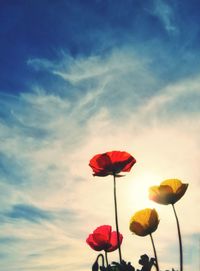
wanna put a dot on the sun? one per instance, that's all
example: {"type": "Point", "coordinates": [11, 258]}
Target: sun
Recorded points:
{"type": "Point", "coordinates": [136, 194]}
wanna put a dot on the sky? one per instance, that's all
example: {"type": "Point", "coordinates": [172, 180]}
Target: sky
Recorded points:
{"type": "Point", "coordinates": [78, 78]}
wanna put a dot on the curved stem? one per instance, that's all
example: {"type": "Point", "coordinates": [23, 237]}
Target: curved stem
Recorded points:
{"type": "Point", "coordinates": [102, 258]}
{"type": "Point", "coordinates": [116, 219]}
{"type": "Point", "coordinates": [106, 257]}
{"type": "Point", "coordinates": [154, 250]}
{"type": "Point", "coordinates": [179, 237]}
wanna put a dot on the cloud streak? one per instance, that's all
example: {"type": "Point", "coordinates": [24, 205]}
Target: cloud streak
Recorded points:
{"type": "Point", "coordinates": [165, 13]}
{"type": "Point", "coordinates": [27, 212]}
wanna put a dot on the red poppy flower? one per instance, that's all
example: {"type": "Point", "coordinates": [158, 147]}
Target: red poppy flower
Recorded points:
{"type": "Point", "coordinates": [103, 238]}
{"type": "Point", "coordinates": [111, 163]}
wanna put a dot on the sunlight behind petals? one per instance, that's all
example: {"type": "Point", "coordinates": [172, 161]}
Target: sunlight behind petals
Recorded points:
{"type": "Point", "coordinates": [138, 190]}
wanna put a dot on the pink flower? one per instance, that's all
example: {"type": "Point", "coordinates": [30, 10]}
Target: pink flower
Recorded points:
{"type": "Point", "coordinates": [111, 163]}
{"type": "Point", "coordinates": [103, 238]}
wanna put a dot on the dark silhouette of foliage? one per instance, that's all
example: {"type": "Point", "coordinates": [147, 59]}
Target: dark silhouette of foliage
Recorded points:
{"type": "Point", "coordinates": [146, 263]}
{"type": "Point", "coordinates": [123, 266]}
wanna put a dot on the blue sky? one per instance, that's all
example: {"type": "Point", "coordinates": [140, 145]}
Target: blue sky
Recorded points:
{"type": "Point", "coordinates": [84, 77]}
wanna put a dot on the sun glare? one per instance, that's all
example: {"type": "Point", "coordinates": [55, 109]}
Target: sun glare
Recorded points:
{"type": "Point", "coordinates": [138, 191]}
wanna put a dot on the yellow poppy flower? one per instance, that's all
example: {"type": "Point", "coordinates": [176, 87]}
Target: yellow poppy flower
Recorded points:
{"type": "Point", "coordinates": [144, 222]}
{"type": "Point", "coordinates": [168, 192]}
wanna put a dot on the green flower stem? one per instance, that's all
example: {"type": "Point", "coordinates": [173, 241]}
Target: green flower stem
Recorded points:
{"type": "Point", "coordinates": [179, 237]}
{"type": "Point", "coordinates": [116, 219]}
{"type": "Point", "coordinates": [154, 250]}
{"type": "Point", "coordinates": [106, 257]}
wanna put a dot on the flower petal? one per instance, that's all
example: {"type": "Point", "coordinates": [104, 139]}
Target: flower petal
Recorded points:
{"type": "Point", "coordinates": [121, 160]}
{"type": "Point", "coordinates": [104, 161]}
{"type": "Point", "coordinates": [161, 194]}
{"type": "Point", "coordinates": [90, 241]}
{"type": "Point", "coordinates": [153, 220]}
{"type": "Point", "coordinates": [98, 162]}
{"type": "Point", "coordinates": [137, 228]}
{"type": "Point", "coordinates": [175, 184]}
{"type": "Point", "coordinates": [102, 234]}
{"type": "Point", "coordinates": [101, 165]}
{"type": "Point", "coordinates": [181, 191]}
{"type": "Point", "coordinates": [114, 241]}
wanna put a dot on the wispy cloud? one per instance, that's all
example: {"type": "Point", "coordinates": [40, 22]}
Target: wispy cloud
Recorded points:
{"type": "Point", "coordinates": [163, 10]}
{"type": "Point", "coordinates": [107, 102]}
{"type": "Point", "coordinates": [28, 212]}
{"type": "Point", "coordinates": [106, 75]}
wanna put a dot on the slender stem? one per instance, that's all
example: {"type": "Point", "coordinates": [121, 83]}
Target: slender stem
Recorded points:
{"type": "Point", "coordinates": [154, 250]}
{"type": "Point", "coordinates": [106, 257]}
{"type": "Point", "coordinates": [116, 220]}
{"type": "Point", "coordinates": [179, 237]}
